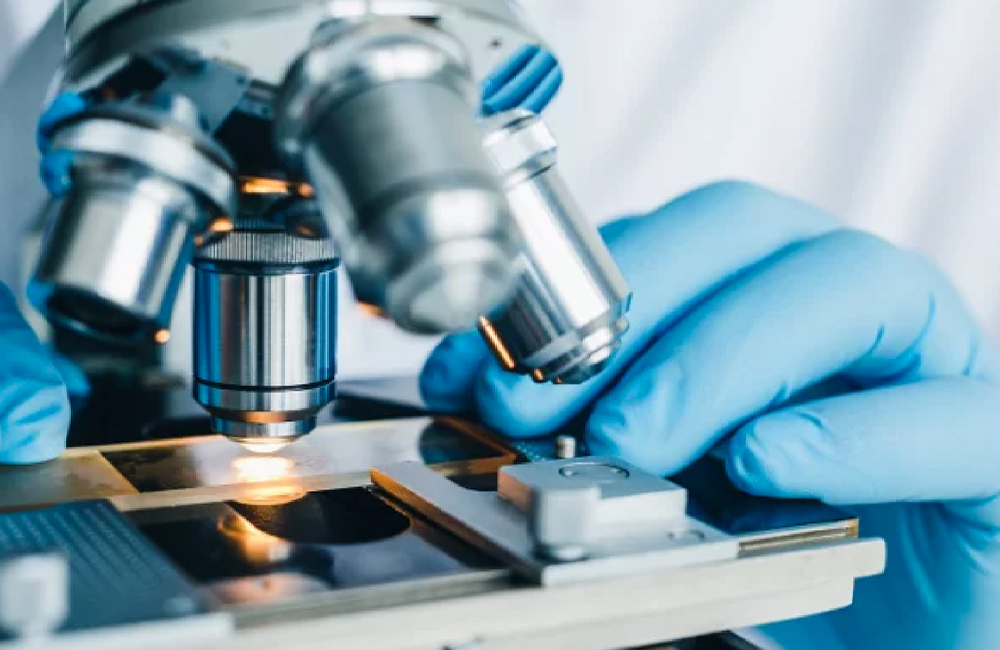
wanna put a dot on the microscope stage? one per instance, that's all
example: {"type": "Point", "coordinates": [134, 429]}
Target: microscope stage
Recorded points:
{"type": "Point", "coordinates": [298, 548]}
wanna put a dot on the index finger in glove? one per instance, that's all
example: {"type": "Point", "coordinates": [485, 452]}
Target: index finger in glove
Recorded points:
{"type": "Point", "coordinates": [672, 259]}
{"type": "Point", "coordinates": [845, 303]}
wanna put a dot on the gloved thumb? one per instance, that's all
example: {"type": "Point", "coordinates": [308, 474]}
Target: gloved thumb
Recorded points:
{"type": "Point", "coordinates": [931, 441]}
{"type": "Point", "coordinates": [64, 106]}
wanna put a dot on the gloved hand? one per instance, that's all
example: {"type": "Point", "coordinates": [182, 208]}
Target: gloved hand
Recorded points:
{"type": "Point", "coordinates": [529, 79]}
{"type": "Point", "coordinates": [743, 298]}
{"type": "Point", "coordinates": [54, 168]}
{"type": "Point", "coordinates": [34, 407]}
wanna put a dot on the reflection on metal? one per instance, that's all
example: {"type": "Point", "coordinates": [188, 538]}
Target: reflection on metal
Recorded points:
{"type": "Point", "coordinates": [496, 344]}
{"type": "Point", "coordinates": [200, 470]}
{"type": "Point", "coordinates": [346, 451]}
{"type": "Point", "coordinates": [256, 447]}
{"type": "Point", "coordinates": [270, 495]}
{"type": "Point", "coordinates": [260, 185]}
{"type": "Point", "coordinates": [344, 549]}
{"type": "Point", "coordinates": [256, 546]}
{"type": "Point", "coordinates": [262, 468]}
{"type": "Point", "coordinates": [371, 310]}
{"type": "Point", "coordinates": [221, 225]}
{"type": "Point", "coordinates": [252, 470]}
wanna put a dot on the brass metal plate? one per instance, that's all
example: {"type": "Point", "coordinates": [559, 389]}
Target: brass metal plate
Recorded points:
{"type": "Point", "coordinates": [204, 469]}
{"type": "Point", "coordinates": [72, 477]}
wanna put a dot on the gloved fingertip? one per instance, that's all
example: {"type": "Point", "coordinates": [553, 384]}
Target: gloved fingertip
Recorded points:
{"type": "Point", "coordinates": [531, 75]}
{"type": "Point", "coordinates": [773, 456]}
{"type": "Point", "coordinates": [516, 90]}
{"type": "Point", "coordinates": [40, 450]}
{"type": "Point", "coordinates": [508, 70]}
{"type": "Point", "coordinates": [40, 434]}
{"type": "Point", "coordinates": [448, 376]}
{"type": "Point", "coordinates": [515, 405]}
{"type": "Point", "coordinates": [747, 468]}
{"type": "Point", "coordinates": [604, 432]}
{"type": "Point", "coordinates": [645, 419]}
{"type": "Point", "coordinates": [488, 109]}
{"type": "Point", "coordinates": [546, 91]}
{"type": "Point", "coordinates": [437, 392]}
{"type": "Point", "coordinates": [64, 106]}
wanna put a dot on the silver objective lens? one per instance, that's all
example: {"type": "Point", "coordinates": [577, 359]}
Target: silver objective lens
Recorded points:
{"type": "Point", "coordinates": [566, 317]}
{"type": "Point", "coordinates": [380, 116]}
{"type": "Point", "coordinates": [145, 179]}
{"type": "Point", "coordinates": [265, 331]}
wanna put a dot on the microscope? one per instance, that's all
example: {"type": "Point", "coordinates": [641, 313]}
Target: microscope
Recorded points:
{"type": "Point", "coordinates": [271, 144]}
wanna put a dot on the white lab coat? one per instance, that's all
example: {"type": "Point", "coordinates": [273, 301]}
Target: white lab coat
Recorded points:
{"type": "Point", "coordinates": [884, 112]}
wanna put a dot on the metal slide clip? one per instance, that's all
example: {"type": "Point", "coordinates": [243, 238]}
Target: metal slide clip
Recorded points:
{"type": "Point", "coordinates": [566, 521]}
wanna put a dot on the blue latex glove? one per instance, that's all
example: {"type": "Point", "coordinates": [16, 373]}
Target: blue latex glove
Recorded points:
{"type": "Point", "coordinates": [529, 79]}
{"type": "Point", "coordinates": [34, 407]}
{"type": "Point", "coordinates": [742, 299]}
{"type": "Point", "coordinates": [54, 168]}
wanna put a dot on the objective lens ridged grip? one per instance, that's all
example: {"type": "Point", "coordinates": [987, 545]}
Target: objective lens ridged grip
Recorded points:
{"type": "Point", "coordinates": [265, 331]}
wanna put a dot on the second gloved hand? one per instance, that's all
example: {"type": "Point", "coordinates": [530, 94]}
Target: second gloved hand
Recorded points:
{"type": "Point", "coordinates": [54, 168]}
{"type": "Point", "coordinates": [530, 79]}
{"type": "Point", "coordinates": [742, 299]}
{"type": "Point", "coordinates": [34, 407]}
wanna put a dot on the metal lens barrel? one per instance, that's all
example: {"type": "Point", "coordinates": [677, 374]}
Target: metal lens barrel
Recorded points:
{"type": "Point", "coordinates": [566, 317]}
{"type": "Point", "coordinates": [380, 116]}
{"type": "Point", "coordinates": [265, 332]}
{"type": "Point", "coordinates": [146, 179]}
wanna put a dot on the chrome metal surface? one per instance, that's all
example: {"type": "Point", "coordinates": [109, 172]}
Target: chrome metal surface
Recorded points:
{"type": "Point", "coordinates": [379, 114]}
{"type": "Point", "coordinates": [265, 36]}
{"type": "Point", "coordinates": [265, 329]}
{"type": "Point", "coordinates": [145, 180]}
{"type": "Point", "coordinates": [237, 398]}
{"type": "Point", "coordinates": [566, 317]}
{"type": "Point", "coordinates": [629, 500]}
{"type": "Point", "coordinates": [562, 521]}
{"type": "Point", "coordinates": [565, 446]}
{"type": "Point", "coordinates": [334, 455]}
{"type": "Point", "coordinates": [572, 506]}
{"type": "Point", "coordinates": [499, 527]}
